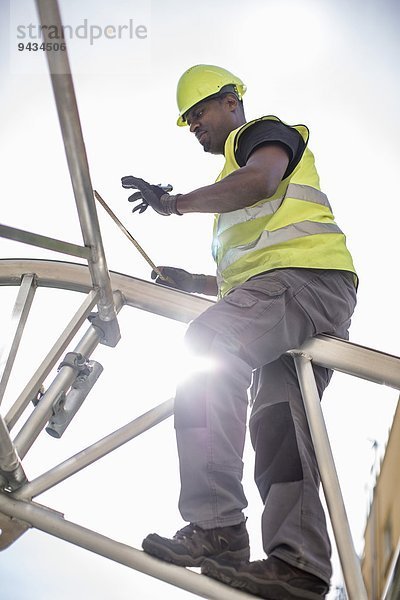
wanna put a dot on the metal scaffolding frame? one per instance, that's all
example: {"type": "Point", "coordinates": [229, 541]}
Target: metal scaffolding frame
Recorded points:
{"type": "Point", "coordinates": [76, 373]}
{"type": "Point", "coordinates": [18, 511]}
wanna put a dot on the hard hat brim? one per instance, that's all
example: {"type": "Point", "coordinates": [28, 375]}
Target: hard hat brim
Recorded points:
{"type": "Point", "coordinates": [181, 121]}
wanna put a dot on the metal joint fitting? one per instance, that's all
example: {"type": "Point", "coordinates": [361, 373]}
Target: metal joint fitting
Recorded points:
{"type": "Point", "coordinates": [108, 331]}
{"type": "Point", "coordinates": [76, 361]}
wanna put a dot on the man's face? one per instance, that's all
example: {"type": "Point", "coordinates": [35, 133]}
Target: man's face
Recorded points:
{"type": "Point", "coordinates": [211, 121]}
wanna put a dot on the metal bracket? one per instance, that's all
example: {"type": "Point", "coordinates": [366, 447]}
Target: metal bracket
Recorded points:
{"type": "Point", "coordinates": [38, 396]}
{"type": "Point", "coordinates": [12, 480]}
{"type": "Point", "coordinates": [108, 331]}
{"type": "Point", "coordinates": [10, 530]}
{"type": "Point", "coordinates": [67, 405]}
{"type": "Point", "coordinates": [75, 360]}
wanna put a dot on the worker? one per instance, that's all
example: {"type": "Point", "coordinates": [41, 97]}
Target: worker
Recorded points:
{"type": "Point", "coordinates": [283, 275]}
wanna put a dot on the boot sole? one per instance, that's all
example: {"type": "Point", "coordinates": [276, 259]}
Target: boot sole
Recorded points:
{"type": "Point", "coordinates": [185, 560]}
{"type": "Point", "coordinates": [271, 590]}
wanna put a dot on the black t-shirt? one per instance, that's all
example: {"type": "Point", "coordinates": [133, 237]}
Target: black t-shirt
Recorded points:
{"type": "Point", "coordinates": [264, 132]}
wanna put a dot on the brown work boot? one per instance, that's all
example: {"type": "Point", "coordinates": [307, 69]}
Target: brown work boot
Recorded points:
{"type": "Point", "coordinates": [192, 544]}
{"type": "Point", "coordinates": [272, 579]}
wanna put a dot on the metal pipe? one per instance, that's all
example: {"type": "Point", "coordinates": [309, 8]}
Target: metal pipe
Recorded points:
{"type": "Point", "coordinates": [68, 115]}
{"type": "Point", "coordinates": [33, 386]}
{"type": "Point", "coordinates": [138, 293]}
{"type": "Point", "coordinates": [43, 241]}
{"type": "Point", "coordinates": [51, 523]}
{"type": "Point", "coordinates": [101, 448]}
{"type": "Point", "coordinates": [62, 382]}
{"type": "Point", "coordinates": [392, 585]}
{"type": "Point", "coordinates": [353, 359]}
{"type": "Point", "coordinates": [19, 317]}
{"type": "Point", "coordinates": [10, 464]}
{"type": "Point", "coordinates": [348, 557]}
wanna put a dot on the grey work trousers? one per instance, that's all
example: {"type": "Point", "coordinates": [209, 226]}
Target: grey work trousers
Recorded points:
{"type": "Point", "coordinates": [247, 331]}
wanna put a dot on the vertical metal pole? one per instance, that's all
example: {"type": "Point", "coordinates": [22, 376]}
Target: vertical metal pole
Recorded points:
{"type": "Point", "coordinates": [68, 115]}
{"type": "Point", "coordinates": [18, 319]}
{"type": "Point", "coordinates": [348, 557]}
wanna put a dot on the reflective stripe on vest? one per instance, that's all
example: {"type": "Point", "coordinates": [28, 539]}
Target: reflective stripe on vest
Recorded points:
{"type": "Point", "coordinates": [308, 193]}
{"type": "Point", "coordinates": [269, 207]}
{"type": "Point", "coordinates": [279, 236]}
{"type": "Point", "coordinates": [227, 220]}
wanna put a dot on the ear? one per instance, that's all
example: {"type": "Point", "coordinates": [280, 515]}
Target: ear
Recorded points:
{"type": "Point", "coordinates": [231, 101]}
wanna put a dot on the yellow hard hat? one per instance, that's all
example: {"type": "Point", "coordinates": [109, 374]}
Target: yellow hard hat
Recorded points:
{"type": "Point", "coordinates": [200, 82]}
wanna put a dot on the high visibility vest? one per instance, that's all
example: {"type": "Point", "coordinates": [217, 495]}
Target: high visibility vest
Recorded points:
{"type": "Point", "coordinates": [293, 228]}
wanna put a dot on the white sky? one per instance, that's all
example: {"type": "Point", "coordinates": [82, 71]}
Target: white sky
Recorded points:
{"type": "Point", "coordinates": [331, 65]}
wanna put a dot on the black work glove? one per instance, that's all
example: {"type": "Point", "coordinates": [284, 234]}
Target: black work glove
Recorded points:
{"type": "Point", "coordinates": [180, 279]}
{"type": "Point", "coordinates": [150, 195]}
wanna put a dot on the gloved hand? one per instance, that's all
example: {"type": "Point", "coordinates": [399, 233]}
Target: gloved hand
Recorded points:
{"type": "Point", "coordinates": [180, 279]}
{"type": "Point", "coordinates": [150, 195]}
